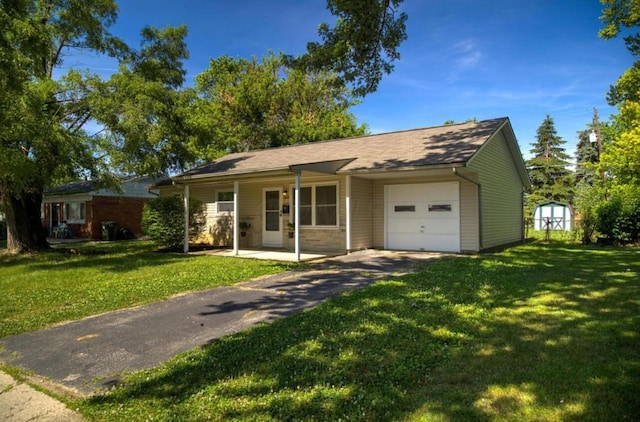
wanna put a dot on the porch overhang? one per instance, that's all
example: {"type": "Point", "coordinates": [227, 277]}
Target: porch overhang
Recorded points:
{"type": "Point", "coordinates": [325, 167]}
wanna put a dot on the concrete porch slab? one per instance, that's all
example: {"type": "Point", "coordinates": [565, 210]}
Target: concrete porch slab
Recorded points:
{"type": "Point", "coordinates": [271, 255]}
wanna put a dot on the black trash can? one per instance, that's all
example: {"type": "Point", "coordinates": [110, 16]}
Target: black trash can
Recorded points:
{"type": "Point", "coordinates": [109, 230]}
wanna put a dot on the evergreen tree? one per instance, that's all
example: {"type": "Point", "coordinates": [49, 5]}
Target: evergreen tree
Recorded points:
{"type": "Point", "coordinates": [586, 158]}
{"type": "Point", "coordinates": [550, 177]}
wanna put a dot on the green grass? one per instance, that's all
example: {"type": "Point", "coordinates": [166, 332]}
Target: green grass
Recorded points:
{"type": "Point", "coordinates": [545, 332]}
{"type": "Point", "coordinates": [51, 287]}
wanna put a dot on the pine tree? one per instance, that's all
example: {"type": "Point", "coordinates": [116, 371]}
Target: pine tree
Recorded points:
{"type": "Point", "coordinates": [586, 159]}
{"type": "Point", "coordinates": [548, 169]}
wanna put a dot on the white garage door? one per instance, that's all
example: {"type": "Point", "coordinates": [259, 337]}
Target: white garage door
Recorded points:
{"type": "Point", "coordinates": [423, 216]}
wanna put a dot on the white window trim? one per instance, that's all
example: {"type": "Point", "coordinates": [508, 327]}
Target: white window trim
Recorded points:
{"type": "Point", "coordinates": [313, 205]}
{"type": "Point", "coordinates": [223, 202]}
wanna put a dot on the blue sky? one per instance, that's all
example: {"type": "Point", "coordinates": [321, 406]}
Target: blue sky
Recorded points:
{"type": "Point", "coordinates": [463, 58]}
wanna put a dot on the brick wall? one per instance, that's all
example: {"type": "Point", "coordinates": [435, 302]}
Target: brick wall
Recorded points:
{"type": "Point", "coordinates": [127, 212]}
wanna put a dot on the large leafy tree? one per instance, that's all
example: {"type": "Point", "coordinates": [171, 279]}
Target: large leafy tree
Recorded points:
{"type": "Point", "coordinates": [363, 44]}
{"type": "Point", "coordinates": [617, 15]}
{"type": "Point", "coordinates": [250, 104]}
{"type": "Point", "coordinates": [621, 155]}
{"type": "Point", "coordinates": [144, 108]}
{"type": "Point", "coordinates": [43, 129]}
{"type": "Point", "coordinates": [41, 135]}
{"type": "Point", "coordinates": [548, 169]}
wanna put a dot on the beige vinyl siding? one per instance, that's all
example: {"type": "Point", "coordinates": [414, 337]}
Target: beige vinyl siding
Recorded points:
{"type": "Point", "coordinates": [361, 213]}
{"type": "Point", "coordinates": [218, 228]}
{"type": "Point", "coordinates": [250, 211]}
{"type": "Point", "coordinates": [500, 193]}
{"type": "Point", "coordinates": [469, 219]}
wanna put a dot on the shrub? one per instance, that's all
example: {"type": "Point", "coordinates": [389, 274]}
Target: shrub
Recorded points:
{"type": "Point", "coordinates": [163, 220]}
{"type": "Point", "coordinates": [586, 201]}
{"type": "Point", "coordinates": [618, 218]}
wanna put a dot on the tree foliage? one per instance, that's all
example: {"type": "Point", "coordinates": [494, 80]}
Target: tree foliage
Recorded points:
{"type": "Point", "coordinates": [618, 218]}
{"type": "Point", "coordinates": [163, 220]}
{"type": "Point", "coordinates": [586, 159]}
{"type": "Point", "coordinates": [616, 16]}
{"type": "Point", "coordinates": [249, 104]}
{"type": "Point", "coordinates": [41, 128]}
{"type": "Point", "coordinates": [362, 45]}
{"type": "Point", "coordinates": [143, 108]}
{"type": "Point", "coordinates": [611, 207]}
{"type": "Point", "coordinates": [621, 157]}
{"type": "Point", "coordinates": [548, 169]}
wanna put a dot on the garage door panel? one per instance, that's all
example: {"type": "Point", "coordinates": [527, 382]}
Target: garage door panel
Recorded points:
{"type": "Point", "coordinates": [423, 216]}
{"type": "Point", "coordinates": [442, 226]}
{"type": "Point", "coordinates": [404, 225]}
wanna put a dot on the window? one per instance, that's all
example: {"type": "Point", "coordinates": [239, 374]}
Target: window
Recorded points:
{"type": "Point", "coordinates": [225, 201]}
{"type": "Point", "coordinates": [74, 212]}
{"type": "Point", "coordinates": [440, 208]}
{"type": "Point", "coordinates": [318, 205]}
{"type": "Point", "coordinates": [404, 208]}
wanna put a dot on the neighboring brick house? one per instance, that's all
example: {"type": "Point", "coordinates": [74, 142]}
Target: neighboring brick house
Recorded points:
{"type": "Point", "coordinates": [85, 207]}
{"type": "Point", "coordinates": [454, 188]}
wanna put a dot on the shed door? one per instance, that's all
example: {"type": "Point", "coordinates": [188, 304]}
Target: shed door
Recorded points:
{"type": "Point", "coordinates": [423, 217]}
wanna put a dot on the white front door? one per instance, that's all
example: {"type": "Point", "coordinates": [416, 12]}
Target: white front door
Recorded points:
{"type": "Point", "coordinates": [272, 227]}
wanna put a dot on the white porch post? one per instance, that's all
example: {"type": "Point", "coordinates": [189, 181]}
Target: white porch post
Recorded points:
{"type": "Point", "coordinates": [186, 218]}
{"type": "Point", "coordinates": [348, 210]}
{"type": "Point", "coordinates": [50, 219]}
{"type": "Point", "coordinates": [236, 218]}
{"type": "Point", "coordinates": [297, 216]}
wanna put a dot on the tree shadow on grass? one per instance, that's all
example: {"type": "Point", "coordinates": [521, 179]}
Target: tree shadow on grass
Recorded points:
{"type": "Point", "coordinates": [537, 332]}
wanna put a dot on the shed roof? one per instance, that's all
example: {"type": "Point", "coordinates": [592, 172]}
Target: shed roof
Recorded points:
{"type": "Point", "coordinates": [448, 145]}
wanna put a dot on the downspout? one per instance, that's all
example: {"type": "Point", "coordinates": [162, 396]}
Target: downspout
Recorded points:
{"type": "Point", "coordinates": [186, 219]}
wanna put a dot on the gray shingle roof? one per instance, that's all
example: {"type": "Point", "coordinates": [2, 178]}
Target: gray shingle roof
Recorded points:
{"type": "Point", "coordinates": [432, 146]}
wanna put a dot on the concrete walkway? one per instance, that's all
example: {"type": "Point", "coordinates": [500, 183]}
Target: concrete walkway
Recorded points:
{"type": "Point", "coordinates": [89, 355]}
{"type": "Point", "coordinates": [19, 402]}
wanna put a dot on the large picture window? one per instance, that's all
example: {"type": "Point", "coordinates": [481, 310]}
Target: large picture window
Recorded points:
{"type": "Point", "coordinates": [318, 205]}
{"type": "Point", "coordinates": [74, 212]}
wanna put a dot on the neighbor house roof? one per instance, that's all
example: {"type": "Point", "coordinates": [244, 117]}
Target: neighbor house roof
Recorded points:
{"type": "Point", "coordinates": [448, 145]}
{"type": "Point", "coordinates": [92, 187]}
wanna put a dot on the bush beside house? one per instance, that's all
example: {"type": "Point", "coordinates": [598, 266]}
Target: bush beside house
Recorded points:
{"type": "Point", "coordinates": [163, 220]}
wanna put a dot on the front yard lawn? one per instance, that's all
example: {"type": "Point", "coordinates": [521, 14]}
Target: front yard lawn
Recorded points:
{"type": "Point", "coordinates": [77, 280]}
{"type": "Point", "coordinates": [538, 332]}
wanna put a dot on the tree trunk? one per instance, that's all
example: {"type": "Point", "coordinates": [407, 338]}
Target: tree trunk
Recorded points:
{"type": "Point", "coordinates": [24, 226]}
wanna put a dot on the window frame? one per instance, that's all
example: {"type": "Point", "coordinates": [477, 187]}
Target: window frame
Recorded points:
{"type": "Point", "coordinates": [82, 210]}
{"type": "Point", "coordinates": [227, 203]}
{"type": "Point", "coordinates": [314, 205]}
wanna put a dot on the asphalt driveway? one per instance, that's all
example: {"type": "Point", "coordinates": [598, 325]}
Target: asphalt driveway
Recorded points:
{"type": "Point", "coordinates": [92, 353]}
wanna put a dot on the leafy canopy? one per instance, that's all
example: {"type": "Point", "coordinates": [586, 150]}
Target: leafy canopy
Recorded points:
{"type": "Point", "coordinates": [362, 45]}
{"type": "Point", "coordinates": [250, 104]}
